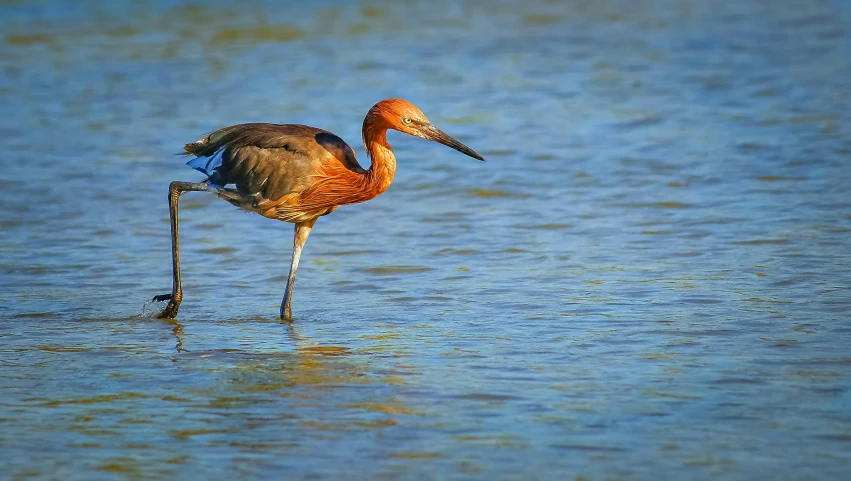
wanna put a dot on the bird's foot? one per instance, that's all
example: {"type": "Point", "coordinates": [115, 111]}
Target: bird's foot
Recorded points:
{"type": "Point", "coordinates": [170, 311]}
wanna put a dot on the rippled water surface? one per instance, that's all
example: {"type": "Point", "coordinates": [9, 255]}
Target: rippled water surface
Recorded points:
{"type": "Point", "coordinates": [648, 279]}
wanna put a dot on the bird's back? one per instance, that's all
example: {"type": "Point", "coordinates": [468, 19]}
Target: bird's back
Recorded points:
{"type": "Point", "coordinates": [270, 161]}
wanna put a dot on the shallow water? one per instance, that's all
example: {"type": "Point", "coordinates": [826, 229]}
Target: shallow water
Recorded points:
{"type": "Point", "coordinates": [648, 279]}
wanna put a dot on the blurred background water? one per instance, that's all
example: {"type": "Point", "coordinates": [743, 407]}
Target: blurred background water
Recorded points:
{"type": "Point", "coordinates": [648, 279]}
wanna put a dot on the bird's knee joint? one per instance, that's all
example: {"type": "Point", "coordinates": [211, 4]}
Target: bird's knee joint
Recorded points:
{"type": "Point", "coordinates": [174, 190]}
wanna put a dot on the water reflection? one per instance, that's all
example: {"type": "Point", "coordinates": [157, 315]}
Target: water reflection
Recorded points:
{"type": "Point", "coordinates": [177, 330]}
{"type": "Point", "coordinates": [255, 403]}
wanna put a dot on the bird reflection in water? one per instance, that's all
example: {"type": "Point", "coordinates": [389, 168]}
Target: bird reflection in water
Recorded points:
{"type": "Point", "coordinates": [274, 399]}
{"type": "Point", "coordinates": [177, 330]}
{"type": "Point", "coordinates": [302, 343]}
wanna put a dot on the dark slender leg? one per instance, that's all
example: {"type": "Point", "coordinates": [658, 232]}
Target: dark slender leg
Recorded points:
{"type": "Point", "coordinates": [302, 230]}
{"type": "Point", "coordinates": [175, 190]}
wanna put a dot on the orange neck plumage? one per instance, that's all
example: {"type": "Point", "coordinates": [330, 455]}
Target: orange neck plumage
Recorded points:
{"type": "Point", "coordinates": [380, 174]}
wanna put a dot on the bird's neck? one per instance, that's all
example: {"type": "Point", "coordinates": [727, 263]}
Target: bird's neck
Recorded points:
{"type": "Point", "coordinates": [380, 174]}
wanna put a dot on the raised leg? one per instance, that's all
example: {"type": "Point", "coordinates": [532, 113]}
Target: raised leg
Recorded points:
{"type": "Point", "coordinates": [302, 230]}
{"type": "Point", "coordinates": [175, 190]}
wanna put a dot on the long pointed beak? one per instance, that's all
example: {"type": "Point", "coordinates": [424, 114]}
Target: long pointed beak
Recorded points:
{"type": "Point", "coordinates": [433, 133]}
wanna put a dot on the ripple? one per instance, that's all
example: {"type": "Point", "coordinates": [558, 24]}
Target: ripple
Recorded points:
{"type": "Point", "coordinates": [757, 242]}
{"type": "Point", "coordinates": [488, 194]}
{"type": "Point", "coordinates": [389, 270]}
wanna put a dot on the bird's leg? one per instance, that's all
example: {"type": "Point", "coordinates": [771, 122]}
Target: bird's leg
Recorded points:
{"type": "Point", "coordinates": [302, 230]}
{"type": "Point", "coordinates": [175, 190]}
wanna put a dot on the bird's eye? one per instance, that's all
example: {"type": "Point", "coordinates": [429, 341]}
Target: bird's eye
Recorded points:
{"type": "Point", "coordinates": [406, 120]}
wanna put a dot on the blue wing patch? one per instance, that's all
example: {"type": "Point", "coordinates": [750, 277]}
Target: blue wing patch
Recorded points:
{"type": "Point", "coordinates": [207, 165]}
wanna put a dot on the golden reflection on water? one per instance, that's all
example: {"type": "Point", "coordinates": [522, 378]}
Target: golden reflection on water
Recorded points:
{"type": "Point", "coordinates": [236, 398]}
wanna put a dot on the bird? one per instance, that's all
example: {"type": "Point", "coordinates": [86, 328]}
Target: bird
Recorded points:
{"type": "Point", "coordinates": [295, 173]}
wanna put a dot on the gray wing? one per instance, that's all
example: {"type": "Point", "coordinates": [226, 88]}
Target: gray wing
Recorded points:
{"type": "Point", "coordinates": [269, 160]}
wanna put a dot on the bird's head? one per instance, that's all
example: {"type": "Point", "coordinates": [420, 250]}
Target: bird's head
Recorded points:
{"type": "Point", "coordinates": [401, 115]}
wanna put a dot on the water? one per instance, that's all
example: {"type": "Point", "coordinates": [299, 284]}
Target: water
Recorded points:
{"type": "Point", "coordinates": [648, 279]}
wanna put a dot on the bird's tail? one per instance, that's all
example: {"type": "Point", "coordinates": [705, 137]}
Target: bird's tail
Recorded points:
{"type": "Point", "coordinates": [208, 155]}
{"type": "Point", "coordinates": [196, 148]}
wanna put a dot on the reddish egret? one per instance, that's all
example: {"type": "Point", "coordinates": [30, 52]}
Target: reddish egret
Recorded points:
{"type": "Point", "coordinates": [297, 174]}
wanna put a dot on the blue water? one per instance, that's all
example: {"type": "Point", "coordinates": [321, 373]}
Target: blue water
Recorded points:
{"type": "Point", "coordinates": [648, 278]}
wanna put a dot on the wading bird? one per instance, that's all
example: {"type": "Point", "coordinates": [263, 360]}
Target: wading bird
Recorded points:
{"type": "Point", "coordinates": [296, 174]}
